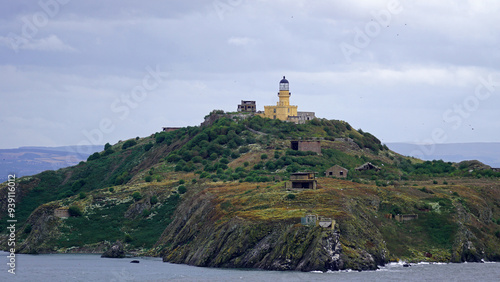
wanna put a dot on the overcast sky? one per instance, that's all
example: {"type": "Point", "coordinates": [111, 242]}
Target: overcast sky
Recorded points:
{"type": "Point", "coordinates": [81, 72]}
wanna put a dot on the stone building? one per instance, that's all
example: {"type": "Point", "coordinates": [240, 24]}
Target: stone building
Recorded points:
{"type": "Point", "coordinates": [61, 212]}
{"type": "Point", "coordinates": [336, 171]}
{"type": "Point", "coordinates": [367, 166]}
{"type": "Point", "coordinates": [302, 180]}
{"type": "Point", "coordinates": [170, 129]}
{"type": "Point", "coordinates": [247, 107]}
{"type": "Point", "coordinates": [326, 222]}
{"type": "Point", "coordinates": [405, 217]}
{"type": "Point", "coordinates": [299, 145]}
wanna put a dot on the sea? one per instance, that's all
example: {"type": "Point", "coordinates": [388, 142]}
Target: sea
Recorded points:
{"type": "Point", "coordinates": [91, 267]}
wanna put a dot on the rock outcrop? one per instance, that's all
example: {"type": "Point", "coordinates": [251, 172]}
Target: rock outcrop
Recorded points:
{"type": "Point", "coordinates": [197, 238]}
{"type": "Point", "coordinates": [115, 251]}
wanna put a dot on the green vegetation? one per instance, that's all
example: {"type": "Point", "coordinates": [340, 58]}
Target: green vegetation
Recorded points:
{"type": "Point", "coordinates": [75, 211]}
{"type": "Point", "coordinates": [112, 226]}
{"type": "Point", "coordinates": [130, 190]}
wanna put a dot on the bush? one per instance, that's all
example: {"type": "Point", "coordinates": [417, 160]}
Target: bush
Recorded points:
{"type": "Point", "coordinates": [148, 147]}
{"type": "Point", "coordinates": [153, 200]}
{"type": "Point", "coordinates": [27, 229]}
{"type": "Point", "coordinates": [107, 146]}
{"type": "Point", "coordinates": [160, 138]}
{"type": "Point", "coordinates": [146, 213]}
{"type": "Point", "coordinates": [82, 195]}
{"type": "Point", "coordinates": [108, 152]}
{"type": "Point", "coordinates": [182, 189]}
{"type": "Point", "coordinates": [128, 238]}
{"type": "Point", "coordinates": [290, 196]}
{"type": "Point", "coordinates": [137, 196]}
{"type": "Point", "coordinates": [148, 178]}
{"type": "Point", "coordinates": [75, 211]}
{"type": "Point", "coordinates": [128, 144]}
{"type": "Point", "coordinates": [111, 189]}
{"type": "Point", "coordinates": [94, 156]}
{"type": "Point", "coordinates": [263, 156]}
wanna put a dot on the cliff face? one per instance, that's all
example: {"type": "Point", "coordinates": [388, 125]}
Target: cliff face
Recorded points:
{"type": "Point", "coordinates": [195, 237]}
{"type": "Point", "coordinates": [227, 227]}
{"type": "Point", "coordinates": [44, 229]}
{"type": "Point", "coordinates": [200, 236]}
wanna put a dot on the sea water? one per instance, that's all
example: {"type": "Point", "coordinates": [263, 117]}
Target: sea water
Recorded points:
{"type": "Point", "coordinates": [90, 267]}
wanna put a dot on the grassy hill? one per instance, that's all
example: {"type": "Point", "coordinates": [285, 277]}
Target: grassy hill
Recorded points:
{"type": "Point", "coordinates": [179, 195]}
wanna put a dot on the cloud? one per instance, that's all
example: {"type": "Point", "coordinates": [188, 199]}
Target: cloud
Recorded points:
{"type": "Point", "coordinates": [91, 53]}
{"type": "Point", "coordinates": [50, 43]}
{"type": "Point", "coordinates": [240, 41]}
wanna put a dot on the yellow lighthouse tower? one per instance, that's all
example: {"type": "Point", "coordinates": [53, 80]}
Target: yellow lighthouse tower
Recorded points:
{"type": "Point", "coordinates": [282, 110]}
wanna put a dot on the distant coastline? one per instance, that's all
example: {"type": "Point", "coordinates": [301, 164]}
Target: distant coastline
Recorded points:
{"type": "Point", "coordinates": [487, 153]}
{"type": "Point", "coordinates": [31, 160]}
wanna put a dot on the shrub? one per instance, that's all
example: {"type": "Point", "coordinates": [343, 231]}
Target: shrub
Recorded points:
{"type": "Point", "coordinates": [128, 144]}
{"type": "Point", "coordinates": [27, 229]}
{"type": "Point", "coordinates": [108, 152]}
{"type": "Point", "coordinates": [146, 213]}
{"type": "Point", "coordinates": [290, 196]}
{"type": "Point", "coordinates": [160, 138]}
{"type": "Point", "coordinates": [75, 211]}
{"type": "Point", "coordinates": [82, 195]}
{"type": "Point", "coordinates": [137, 196]}
{"type": "Point", "coordinates": [111, 189]}
{"type": "Point", "coordinates": [182, 189]}
{"type": "Point", "coordinates": [263, 156]}
{"type": "Point", "coordinates": [148, 178]}
{"type": "Point", "coordinates": [153, 200]}
{"type": "Point", "coordinates": [181, 181]}
{"type": "Point", "coordinates": [128, 238]}
{"type": "Point", "coordinates": [107, 146]}
{"type": "Point", "coordinates": [94, 156]}
{"type": "Point", "coordinates": [148, 147]}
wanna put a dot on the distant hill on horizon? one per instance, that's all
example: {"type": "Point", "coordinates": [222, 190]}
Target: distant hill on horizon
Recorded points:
{"type": "Point", "coordinates": [487, 153]}
{"type": "Point", "coordinates": [32, 160]}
